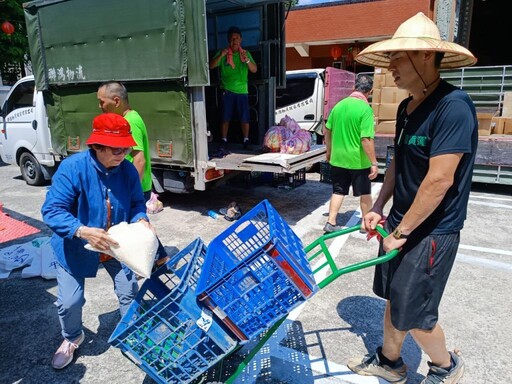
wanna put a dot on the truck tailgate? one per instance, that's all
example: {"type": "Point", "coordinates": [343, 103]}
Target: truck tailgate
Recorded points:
{"type": "Point", "coordinates": [270, 162]}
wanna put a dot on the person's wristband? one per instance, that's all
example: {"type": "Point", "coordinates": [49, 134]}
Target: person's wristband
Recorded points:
{"type": "Point", "coordinates": [248, 61]}
{"type": "Point", "coordinates": [375, 164]}
{"type": "Point", "coordinates": [78, 232]}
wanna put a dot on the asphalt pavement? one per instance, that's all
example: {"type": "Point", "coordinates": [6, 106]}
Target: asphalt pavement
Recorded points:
{"type": "Point", "coordinates": [313, 345]}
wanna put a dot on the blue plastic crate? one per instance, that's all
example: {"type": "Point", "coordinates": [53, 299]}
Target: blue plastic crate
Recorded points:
{"type": "Point", "coordinates": [160, 331]}
{"type": "Point", "coordinates": [256, 272]}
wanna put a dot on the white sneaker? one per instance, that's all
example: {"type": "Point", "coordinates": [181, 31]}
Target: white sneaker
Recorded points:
{"type": "Point", "coordinates": [64, 354]}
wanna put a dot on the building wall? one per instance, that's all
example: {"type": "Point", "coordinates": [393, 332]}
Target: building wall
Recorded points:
{"type": "Point", "coordinates": [320, 27]}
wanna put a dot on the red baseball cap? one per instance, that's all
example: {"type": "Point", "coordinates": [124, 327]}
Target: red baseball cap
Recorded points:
{"type": "Point", "coordinates": [111, 130]}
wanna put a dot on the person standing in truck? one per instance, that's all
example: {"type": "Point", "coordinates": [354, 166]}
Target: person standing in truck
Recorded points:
{"type": "Point", "coordinates": [350, 150]}
{"type": "Point", "coordinates": [91, 191]}
{"type": "Point", "coordinates": [113, 98]}
{"type": "Point", "coordinates": [429, 180]}
{"type": "Point", "coordinates": [235, 64]}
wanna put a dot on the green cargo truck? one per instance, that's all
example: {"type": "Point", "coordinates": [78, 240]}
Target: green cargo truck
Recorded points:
{"type": "Point", "coordinates": [160, 51]}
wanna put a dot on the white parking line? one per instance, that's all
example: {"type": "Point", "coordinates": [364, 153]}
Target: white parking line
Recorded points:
{"type": "Point", "coordinates": [471, 196]}
{"type": "Point", "coordinates": [326, 371]}
{"type": "Point", "coordinates": [494, 205]}
{"type": "Point", "coordinates": [484, 262]}
{"type": "Point", "coordinates": [485, 249]}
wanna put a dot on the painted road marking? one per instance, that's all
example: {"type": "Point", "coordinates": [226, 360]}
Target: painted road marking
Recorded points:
{"type": "Point", "coordinates": [484, 262]}
{"type": "Point", "coordinates": [485, 249]}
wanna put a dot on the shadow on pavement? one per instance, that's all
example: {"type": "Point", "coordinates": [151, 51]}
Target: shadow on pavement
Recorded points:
{"type": "Point", "coordinates": [365, 315]}
{"type": "Point", "coordinates": [30, 333]}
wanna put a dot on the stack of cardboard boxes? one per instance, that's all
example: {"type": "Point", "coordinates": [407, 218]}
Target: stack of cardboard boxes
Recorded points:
{"type": "Point", "coordinates": [385, 100]}
{"type": "Point", "coordinates": [494, 124]}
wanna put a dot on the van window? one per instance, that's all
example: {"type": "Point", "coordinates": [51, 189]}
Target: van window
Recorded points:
{"type": "Point", "coordinates": [298, 87]}
{"type": "Point", "coordinates": [22, 96]}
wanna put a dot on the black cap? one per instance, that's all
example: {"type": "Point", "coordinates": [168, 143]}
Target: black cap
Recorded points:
{"type": "Point", "coordinates": [234, 29]}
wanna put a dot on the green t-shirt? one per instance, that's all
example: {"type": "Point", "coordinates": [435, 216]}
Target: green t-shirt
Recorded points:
{"type": "Point", "coordinates": [234, 79]}
{"type": "Point", "coordinates": [349, 121]}
{"type": "Point", "coordinates": [140, 135]}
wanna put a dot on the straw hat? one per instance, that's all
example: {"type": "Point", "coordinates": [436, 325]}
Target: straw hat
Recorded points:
{"type": "Point", "coordinates": [111, 130]}
{"type": "Point", "coordinates": [418, 33]}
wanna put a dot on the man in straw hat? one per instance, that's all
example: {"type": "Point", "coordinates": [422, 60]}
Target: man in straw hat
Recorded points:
{"type": "Point", "coordinates": [90, 191]}
{"type": "Point", "coordinates": [429, 180]}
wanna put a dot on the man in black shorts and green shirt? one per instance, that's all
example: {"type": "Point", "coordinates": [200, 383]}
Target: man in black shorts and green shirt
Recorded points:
{"type": "Point", "coordinates": [350, 150]}
{"type": "Point", "coordinates": [430, 180]}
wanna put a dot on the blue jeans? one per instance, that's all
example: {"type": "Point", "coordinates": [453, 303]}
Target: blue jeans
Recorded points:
{"type": "Point", "coordinates": [70, 295]}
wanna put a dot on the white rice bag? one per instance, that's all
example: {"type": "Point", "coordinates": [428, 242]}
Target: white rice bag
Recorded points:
{"type": "Point", "coordinates": [137, 247]}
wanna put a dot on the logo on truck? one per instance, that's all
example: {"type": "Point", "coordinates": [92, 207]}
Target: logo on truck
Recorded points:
{"type": "Point", "coordinates": [19, 114]}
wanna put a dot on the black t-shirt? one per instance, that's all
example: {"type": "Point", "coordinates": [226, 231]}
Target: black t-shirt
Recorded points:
{"type": "Point", "coordinates": [445, 122]}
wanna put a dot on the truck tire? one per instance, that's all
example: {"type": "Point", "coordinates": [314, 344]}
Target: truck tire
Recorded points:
{"type": "Point", "coordinates": [31, 169]}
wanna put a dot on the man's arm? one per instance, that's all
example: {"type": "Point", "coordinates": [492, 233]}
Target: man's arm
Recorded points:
{"type": "Point", "coordinates": [369, 149]}
{"type": "Point", "coordinates": [328, 145]}
{"type": "Point", "coordinates": [214, 63]}
{"type": "Point", "coordinates": [432, 190]}
{"type": "Point", "coordinates": [139, 162]}
{"type": "Point", "coordinates": [218, 58]}
{"type": "Point", "coordinates": [252, 66]}
{"type": "Point", "coordinates": [372, 218]}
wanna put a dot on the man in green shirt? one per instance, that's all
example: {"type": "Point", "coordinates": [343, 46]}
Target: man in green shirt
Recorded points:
{"type": "Point", "coordinates": [235, 64]}
{"type": "Point", "coordinates": [113, 97]}
{"type": "Point", "coordinates": [350, 150]}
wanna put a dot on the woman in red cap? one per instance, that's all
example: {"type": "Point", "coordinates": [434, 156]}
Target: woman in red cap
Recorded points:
{"type": "Point", "coordinates": [91, 191]}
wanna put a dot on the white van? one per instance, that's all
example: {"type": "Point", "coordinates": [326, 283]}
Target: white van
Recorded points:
{"type": "Point", "coordinates": [24, 134]}
{"type": "Point", "coordinates": [310, 94]}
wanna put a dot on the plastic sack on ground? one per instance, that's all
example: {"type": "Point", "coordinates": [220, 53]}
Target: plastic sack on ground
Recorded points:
{"type": "Point", "coordinates": [154, 205]}
{"type": "Point", "coordinates": [137, 247]}
{"type": "Point", "coordinates": [48, 262]}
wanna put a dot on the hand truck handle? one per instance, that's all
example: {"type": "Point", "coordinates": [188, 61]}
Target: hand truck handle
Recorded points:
{"type": "Point", "coordinates": [329, 262]}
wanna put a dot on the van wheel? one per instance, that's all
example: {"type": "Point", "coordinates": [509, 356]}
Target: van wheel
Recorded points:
{"type": "Point", "coordinates": [31, 170]}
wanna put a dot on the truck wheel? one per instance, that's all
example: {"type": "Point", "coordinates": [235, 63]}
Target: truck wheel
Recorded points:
{"type": "Point", "coordinates": [31, 170]}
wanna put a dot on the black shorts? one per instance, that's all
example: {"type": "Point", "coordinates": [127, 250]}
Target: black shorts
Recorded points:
{"type": "Point", "coordinates": [343, 178]}
{"type": "Point", "coordinates": [415, 279]}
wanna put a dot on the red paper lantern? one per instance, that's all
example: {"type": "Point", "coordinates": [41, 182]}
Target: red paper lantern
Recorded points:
{"type": "Point", "coordinates": [336, 52]}
{"type": "Point", "coordinates": [7, 28]}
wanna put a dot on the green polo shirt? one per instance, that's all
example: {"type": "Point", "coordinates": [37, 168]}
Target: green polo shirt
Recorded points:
{"type": "Point", "coordinates": [349, 121]}
{"type": "Point", "coordinates": [234, 79]}
{"type": "Point", "coordinates": [140, 135]}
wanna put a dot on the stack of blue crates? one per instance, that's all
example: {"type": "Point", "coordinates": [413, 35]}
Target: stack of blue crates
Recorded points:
{"type": "Point", "coordinates": [165, 332]}
{"type": "Point", "coordinates": [255, 273]}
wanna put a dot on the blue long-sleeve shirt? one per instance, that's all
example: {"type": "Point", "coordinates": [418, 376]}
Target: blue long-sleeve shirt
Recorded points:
{"type": "Point", "coordinates": [78, 196]}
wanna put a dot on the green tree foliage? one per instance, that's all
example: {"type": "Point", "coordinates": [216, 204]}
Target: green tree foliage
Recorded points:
{"type": "Point", "coordinates": [13, 48]}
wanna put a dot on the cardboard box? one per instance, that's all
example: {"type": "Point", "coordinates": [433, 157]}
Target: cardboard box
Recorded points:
{"type": "Point", "coordinates": [379, 79]}
{"type": "Point", "coordinates": [386, 127]}
{"type": "Point", "coordinates": [495, 126]}
{"type": "Point", "coordinates": [393, 95]}
{"type": "Point", "coordinates": [376, 95]}
{"type": "Point", "coordinates": [390, 80]}
{"type": "Point", "coordinates": [375, 107]}
{"type": "Point", "coordinates": [484, 123]}
{"type": "Point", "coordinates": [503, 125]}
{"type": "Point", "coordinates": [381, 70]}
{"type": "Point", "coordinates": [507, 105]}
{"type": "Point", "coordinates": [387, 111]}
{"type": "Point", "coordinates": [507, 126]}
